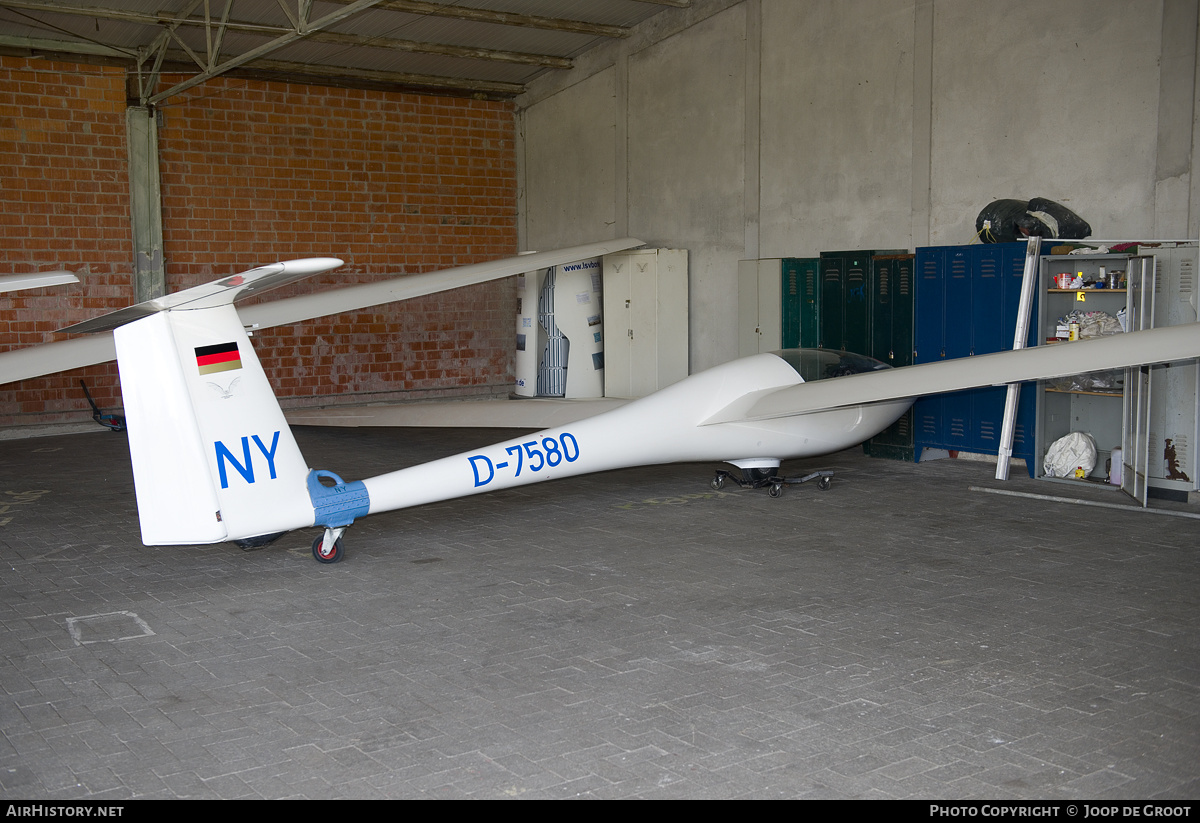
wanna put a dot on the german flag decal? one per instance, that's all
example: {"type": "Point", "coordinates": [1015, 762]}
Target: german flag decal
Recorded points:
{"type": "Point", "coordinates": [221, 357]}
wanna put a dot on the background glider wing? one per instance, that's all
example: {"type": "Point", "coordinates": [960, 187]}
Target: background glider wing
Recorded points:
{"type": "Point", "coordinates": [61, 355]}
{"type": "Point", "coordinates": [1037, 363]}
{"type": "Point", "coordinates": [17, 282]}
{"type": "Point", "coordinates": [352, 298]}
{"type": "Point", "coordinates": [48, 358]}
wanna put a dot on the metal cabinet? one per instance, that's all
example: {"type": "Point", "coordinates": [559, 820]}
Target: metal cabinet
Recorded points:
{"type": "Point", "coordinates": [1174, 467]}
{"type": "Point", "coordinates": [760, 308]}
{"type": "Point", "coordinates": [845, 306]}
{"type": "Point", "coordinates": [801, 293]}
{"type": "Point", "coordinates": [1112, 407]}
{"type": "Point", "coordinates": [890, 294]}
{"type": "Point", "coordinates": [778, 304]}
{"type": "Point", "coordinates": [645, 321]}
{"type": "Point", "coordinates": [966, 304]}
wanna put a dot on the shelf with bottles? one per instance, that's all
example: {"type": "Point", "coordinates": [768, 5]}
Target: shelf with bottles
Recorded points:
{"type": "Point", "coordinates": [1084, 402]}
{"type": "Point", "coordinates": [1098, 312]}
{"type": "Point", "coordinates": [1091, 273]}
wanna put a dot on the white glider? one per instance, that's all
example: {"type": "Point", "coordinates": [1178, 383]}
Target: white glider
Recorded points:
{"type": "Point", "coordinates": [214, 459]}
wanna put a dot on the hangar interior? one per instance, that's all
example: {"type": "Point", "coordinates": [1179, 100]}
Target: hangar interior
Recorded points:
{"type": "Point", "coordinates": [913, 632]}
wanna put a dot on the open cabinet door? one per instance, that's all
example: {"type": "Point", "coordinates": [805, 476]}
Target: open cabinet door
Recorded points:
{"type": "Point", "coordinates": [1135, 440]}
{"type": "Point", "coordinates": [1135, 449]}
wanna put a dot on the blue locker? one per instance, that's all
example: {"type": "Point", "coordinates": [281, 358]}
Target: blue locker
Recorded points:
{"type": "Point", "coordinates": [966, 304]}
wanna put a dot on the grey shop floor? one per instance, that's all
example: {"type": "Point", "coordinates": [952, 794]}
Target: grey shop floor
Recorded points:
{"type": "Point", "coordinates": [628, 634]}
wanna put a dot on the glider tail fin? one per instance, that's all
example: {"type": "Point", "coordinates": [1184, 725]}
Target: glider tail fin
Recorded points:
{"type": "Point", "coordinates": [213, 457]}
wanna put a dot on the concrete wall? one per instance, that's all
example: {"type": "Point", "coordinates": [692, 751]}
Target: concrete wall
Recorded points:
{"type": "Point", "coordinates": [678, 139]}
{"type": "Point", "coordinates": [771, 128]}
{"type": "Point", "coordinates": [576, 188]}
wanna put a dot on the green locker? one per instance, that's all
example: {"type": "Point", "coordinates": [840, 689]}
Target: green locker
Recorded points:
{"type": "Point", "coordinates": [845, 307]}
{"type": "Point", "coordinates": [801, 302]}
{"type": "Point", "coordinates": [891, 294]}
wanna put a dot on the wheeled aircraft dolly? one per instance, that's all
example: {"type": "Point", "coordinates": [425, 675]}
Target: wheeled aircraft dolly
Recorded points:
{"type": "Point", "coordinates": [759, 478]}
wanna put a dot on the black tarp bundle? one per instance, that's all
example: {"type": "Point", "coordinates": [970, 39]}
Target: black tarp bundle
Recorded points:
{"type": "Point", "coordinates": [1003, 221]}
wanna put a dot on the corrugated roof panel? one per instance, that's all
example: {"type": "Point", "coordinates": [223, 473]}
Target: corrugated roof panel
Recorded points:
{"type": "Point", "coordinates": [70, 29]}
{"type": "Point", "coordinates": [130, 25]}
{"type": "Point", "coordinates": [383, 60]}
{"type": "Point", "coordinates": [467, 33]}
{"type": "Point", "coordinates": [608, 12]}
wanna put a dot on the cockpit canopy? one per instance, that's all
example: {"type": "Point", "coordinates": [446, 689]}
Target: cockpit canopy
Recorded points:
{"type": "Point", "coordinates": [821, 364]}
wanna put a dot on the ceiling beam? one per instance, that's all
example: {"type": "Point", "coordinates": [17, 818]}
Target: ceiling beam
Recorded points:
{"type": "Point", "coordinates": [157, 48]}
{"type": "Point", "coordinates": [213, 49]}
{"type": "Point", "coordinates": [38, 45]}
{"type": "Point", "coordinates": [333, 38]}
{"type": "Point", "coordinates": [503, 18]}
{"type": "Point", "coordinates": [303, 29]}
{"type": "Point", "coordinates": [216, 23]}
{"type": "Point", "coordinates": [283, 69]}
{"type": "Point", "coordinates": [275, 70]}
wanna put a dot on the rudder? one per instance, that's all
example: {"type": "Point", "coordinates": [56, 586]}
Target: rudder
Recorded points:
{"type": "Point", "coordinates": [213, 457]}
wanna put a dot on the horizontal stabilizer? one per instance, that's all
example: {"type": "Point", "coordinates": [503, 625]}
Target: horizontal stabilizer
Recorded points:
{"type": "Point", "coordinates": [216, 293]}
{"type": "Point", "coordinates": [1037, 363]}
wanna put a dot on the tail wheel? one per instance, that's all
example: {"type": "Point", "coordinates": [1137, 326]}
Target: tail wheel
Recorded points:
{"type": "Point", "coordinates": [327, 555]}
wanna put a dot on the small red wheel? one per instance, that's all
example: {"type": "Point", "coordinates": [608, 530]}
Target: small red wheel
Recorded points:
{"type": "Point", "coordinates": [327, 555]}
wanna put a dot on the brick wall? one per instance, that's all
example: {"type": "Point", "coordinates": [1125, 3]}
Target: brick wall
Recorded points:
{"type": "Point", "coordinates": [64, 204]}
{"type": "Point", "coordinates": [254, 172]}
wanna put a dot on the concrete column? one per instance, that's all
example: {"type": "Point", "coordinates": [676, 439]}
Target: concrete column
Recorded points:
{"type": "Point", "coordinates": [1174, 169]}
{"type": "Point", "coordinates": [621, 148]}
{"type": "Point", "coordinates": [145, 195]}
{"type": "Point", "coordinates": [752, 145]}
{"type": "Point", "coordinates": [922, 123]}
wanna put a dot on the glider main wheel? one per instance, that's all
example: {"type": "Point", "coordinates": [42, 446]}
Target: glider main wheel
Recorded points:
{"type": "Point", "coordinates": [324, 556]}
{"type": "Point", "coordinates": [776, 489]}
{"type": "Point", "coordinates": [824, 483]}
{"type": "Point", "coordinates": [251, 543]}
